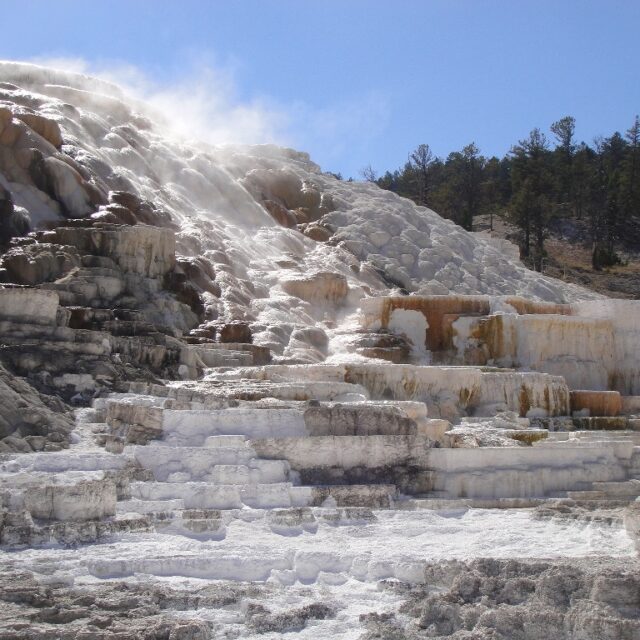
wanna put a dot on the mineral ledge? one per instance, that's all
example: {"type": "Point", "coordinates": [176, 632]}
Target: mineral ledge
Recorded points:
{"type": "Point", "coordinates": [240, 398]}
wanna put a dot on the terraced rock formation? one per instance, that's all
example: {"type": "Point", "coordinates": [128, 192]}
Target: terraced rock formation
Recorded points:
{"type": "Point", "coordinates": [241, 399]}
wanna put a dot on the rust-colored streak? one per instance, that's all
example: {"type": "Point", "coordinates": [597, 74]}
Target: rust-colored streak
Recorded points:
{"type": "Point", "coordinates": [599, 403]}
{"type": "Point", "coordinates": [525, 401]}
{"type": "Point", "coordinates": [434, 309]}
{"type": "Point", "coordinates": [547, 400]}
{"type": "Point", "coordinates": [526, 307]}
{"type": "Point", "coordinates": [494, 336]}
{"type": "Point", "coordinates": [528, 437]}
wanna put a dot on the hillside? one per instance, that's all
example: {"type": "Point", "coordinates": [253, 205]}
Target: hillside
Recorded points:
{"type": "Point", "coordinates": [569, 250]}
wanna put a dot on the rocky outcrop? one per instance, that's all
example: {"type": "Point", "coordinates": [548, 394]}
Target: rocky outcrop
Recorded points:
{"type": "Point", "coordinates": [318, 288]}
{"type": "Point", "coordinates": [317, 232]}
{"type": "Point", "coordinates": [340, 420]}
{"type": "Point", "coordinates": [67, 188]}
{"type": "Point", "coordinates": [50, 499]}
{"type": "Point", "coordinates": [94, 312]}
{"type": "Point", "coordinates": [288, 199]}
{"type": "Point", "coordinates": [382, 345]}
{"type": "Point", "coordinates": [632, 522]}
{"type": "Point", "coordinates": [45, 127]}
{"type": "Point", "coordinates": [119, 610]}
{"type": "Point", "coordinates": [33, 263]}
{"type": "Point", "coordinates": [236, 332]}
{"type": "Point", "coordinates": [30, 306]}
{"type": "Point", "coordinates": [38, 173]}
{"type": "Point", "coordinates": [30, 421]}
{"type": "Point", "coordinates": [141, 249]}
{"type": "Point", "coordinates": [596, 403]}
{"type": "Point", "coordinates": [505, 600]}
{"type": "Point", "coordinates": [128, 208]}
{"type": "Point", "coordinates": [14, 221]}
{"type": "Point", "coordinates": [592, 345]}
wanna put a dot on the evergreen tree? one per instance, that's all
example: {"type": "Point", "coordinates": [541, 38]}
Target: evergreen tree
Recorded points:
{"type": "Point", "coordinates": [530, 201]}
{"type": "Point", "coordinates": [368, 174]}
{"type": "Point", "coordinates": [491, 188]}
{"type": "Point", "coordinates": [420, 162]}
{"type": "Point", "coordinates": [459, 193]}
{"type": "Point", "coordinates": [563, 130]}
{"type": "Point", "coordinates": [631, 173]}
{"type": "Point", "coordinates": [598, 185]}
{"type": "Point", "coordinates": [604, 202]}
{"type": "Point", "coordinates": [471, 181]}
{"type": "Point", "coordinates": [583, 178]}
{"type": "Point", "coordinates": [389, 181]}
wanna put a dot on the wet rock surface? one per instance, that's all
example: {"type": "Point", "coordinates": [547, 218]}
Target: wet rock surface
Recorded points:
{"type": "Point", "coordinates": [118, 610]}
{"type": "Point", "coordinates": [515, 600]}
{"type": "Point", "coordinates": [484, 599]}
{"type": "Point", "coordinates": [30, 421]}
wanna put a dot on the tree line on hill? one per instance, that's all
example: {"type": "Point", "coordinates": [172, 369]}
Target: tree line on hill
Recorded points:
{"type": "Point", "coordinates": [535, 182]}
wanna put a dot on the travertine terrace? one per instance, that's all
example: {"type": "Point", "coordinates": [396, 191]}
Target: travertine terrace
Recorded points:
{"type": "Point", "coordinates": [240, 398]}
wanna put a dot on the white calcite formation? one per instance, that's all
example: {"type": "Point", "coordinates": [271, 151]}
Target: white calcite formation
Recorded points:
{"type": "Point", "coordinates": [592, 345]}
{"type": "Point", "coordinates": [240, 398]}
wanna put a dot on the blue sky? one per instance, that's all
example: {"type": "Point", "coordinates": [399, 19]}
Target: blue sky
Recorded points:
{"type": "Point", "coordinates": [355, 82]}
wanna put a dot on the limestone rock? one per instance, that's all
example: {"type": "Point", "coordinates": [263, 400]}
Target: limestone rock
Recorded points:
{"type": "Point", "coordinates": [32, 306]}
{"type": "Point", "coordinates": [596, 403]}
{"type": "Point", "coordinates": [85, 500]}
{"type": "Point", "coordinates": [383, 346]}
{"type": "Point", "coordinates": [141, 249]}
{"type": "Point", "coordinates": [317, 232]}
{"type": "Point", "coordinates": [548, 600]}
{"type": "Point", "coordinates": [14, 220]}
{"type": "Point", "coordinates": [311, 336]}
{"type": "Point", "coordinates": [185, 291]}
{"type": "Point", "coordinates": [34, 264]}
{"type": "Point", "coordinates": [5, 118]}
{"type": "Point", "coordinates": [138, 211]}
{"type": "Point", "coordinates": [68, 188]}
{"type": "Point", "coordinates": [200, 273]}
{"type": "Point", "coordinates": [24, 412]}
{"type": "Point", "coordinates": [281, 214]}
{"type": "Point", "coordinates": [45, 127]}
{"type": "Point", "coordinates": [632, 522]}
{"type": "Point", "coordinates": [6, 203]}
{"type": "Point", "coordinates": [10, 134]}
{"type": "Point", "coordinates": [114, 214]}
{"type": "Point", "coordinates": [14, 444]}
{"type": "Point", "coordinates": [289, 199]}
{"type": "Point", "coordinates": [379, 238]}
{"type": "Point", "coordinates": [236, 332]}
{"type": "Point", "coordinates": [318, 287]}
{"type": "Point", "coordinates": [338, 420]}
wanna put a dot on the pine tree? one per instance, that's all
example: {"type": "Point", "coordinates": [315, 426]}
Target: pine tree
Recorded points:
{"type": "Point", "coordinates": [605, 205]}
{"type": "Point", "coordinates": [420, 161]}
{"type": "Point", "coordinates": [631, 173]}
{"type": "Point", "coordinates": [530, 201]}
{"type": "Point", "coordinates": [563, 130]}
{"type": "Point", "coordinates": [491, 188]}
{"type": "Point", "coordinates": [599, 185]}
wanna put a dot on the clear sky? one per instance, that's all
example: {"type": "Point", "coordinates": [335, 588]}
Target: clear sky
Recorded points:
{"type": "Point", "coordinates": [355, 82]}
